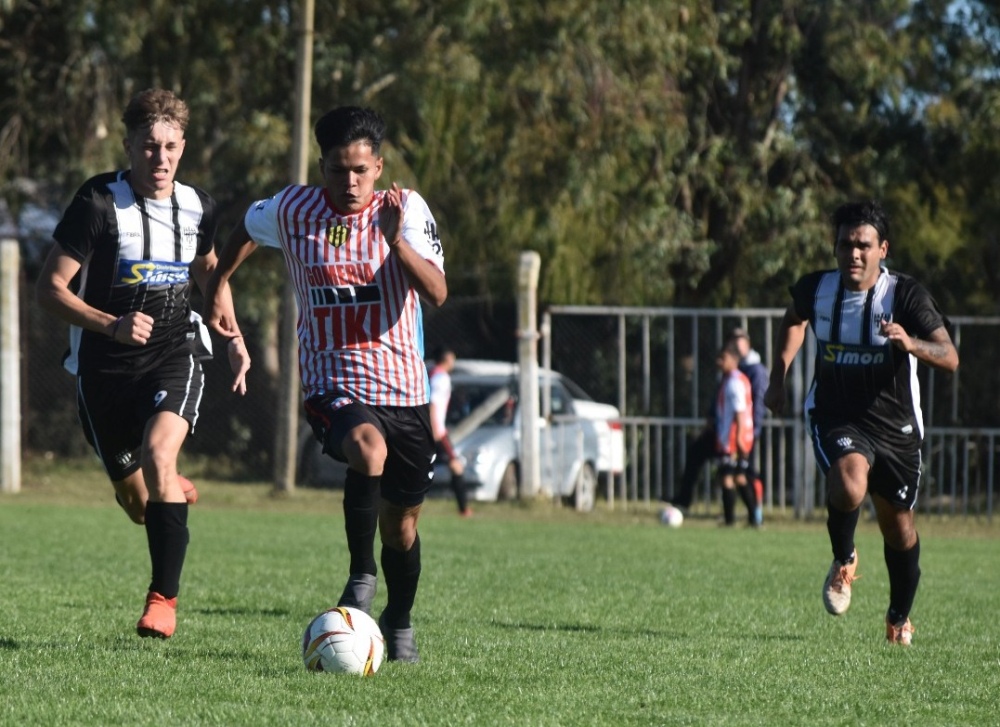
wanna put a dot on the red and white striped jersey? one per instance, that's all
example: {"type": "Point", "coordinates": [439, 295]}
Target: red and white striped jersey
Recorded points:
{"type": "Point", "coordinates": [360, 325]}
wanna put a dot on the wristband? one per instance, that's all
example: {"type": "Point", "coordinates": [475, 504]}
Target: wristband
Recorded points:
{"type": "Point", "coordinates": [114, 328]}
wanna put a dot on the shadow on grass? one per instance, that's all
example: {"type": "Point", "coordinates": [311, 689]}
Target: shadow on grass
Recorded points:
{"type": "Point", "coordinates": [591, 628]}
{"type": "Point", "coordinates": [277, 612]}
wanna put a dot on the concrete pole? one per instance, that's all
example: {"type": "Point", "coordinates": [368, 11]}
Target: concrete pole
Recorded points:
{"type": "Point", "coordinates": [289, 390]}
{"type": "Point", "coordinates": [527, 355]}
{"type": "Point", "coordinates": [10, 363]}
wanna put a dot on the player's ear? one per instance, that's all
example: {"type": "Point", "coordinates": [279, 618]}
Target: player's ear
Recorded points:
{"type": "Point", "coordinates": [884, 253]}
{"type": "Point", "coordinates": [378, 166]}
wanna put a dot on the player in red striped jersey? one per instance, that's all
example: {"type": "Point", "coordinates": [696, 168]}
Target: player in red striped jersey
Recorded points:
{"type": "Point", "coordinates": [360, 259]}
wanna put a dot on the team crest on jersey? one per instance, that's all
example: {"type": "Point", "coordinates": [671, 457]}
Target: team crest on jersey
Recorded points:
{"type": "Point", "coordinates": [336, 235]}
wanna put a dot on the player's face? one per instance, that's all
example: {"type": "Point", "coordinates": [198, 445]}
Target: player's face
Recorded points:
{"type": "Point", "coordinates": [859, 254]}
{"type": "Point", "coordinates": [153, 156]}
{"type": "Point", "coordinates": [350, 173]}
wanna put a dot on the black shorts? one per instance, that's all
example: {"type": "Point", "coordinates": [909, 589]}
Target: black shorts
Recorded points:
{"type": "Point", "coordinates": [114, 408]}
{"type": "Point", "coordinates": [895, 466]}
{"type": "Point", "coordinates": [409, 464]}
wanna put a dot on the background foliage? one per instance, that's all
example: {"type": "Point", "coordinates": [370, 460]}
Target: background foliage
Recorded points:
{"type": "Point", "coordinates": [654, 152]}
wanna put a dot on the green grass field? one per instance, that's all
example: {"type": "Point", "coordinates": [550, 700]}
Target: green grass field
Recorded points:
{"type": "Point", "coordinates": [527, 615]}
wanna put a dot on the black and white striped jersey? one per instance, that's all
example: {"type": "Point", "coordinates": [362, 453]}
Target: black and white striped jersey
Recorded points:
{"type": "Point", "coordinates": [860, 376]}
{"type": "Point", "coordinates": [135, 254]}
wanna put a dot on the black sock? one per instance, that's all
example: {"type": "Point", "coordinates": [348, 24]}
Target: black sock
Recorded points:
{"type": "Point", "coordinates": [729, 505]}
{"type": "Point", "coordinates": [904, 575]}
{"type": "Point", "coordinates": [402, 573]}
{"type": "Point", "coordinates": [458, 487]}
{"type": "Point", "coordinates": [361, 495]}
{"type": "Point", "coordinates": [749, 496]}
{"type": "Point", "coordinates": [841, 526]}
{"type": "Point", "coordinates": [167, 534]}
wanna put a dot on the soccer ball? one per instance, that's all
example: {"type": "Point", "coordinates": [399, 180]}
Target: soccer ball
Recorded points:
{"type": "Point", "coordinates": [344, 640]}
{"type": "Point", "coordinates": [672, 516]}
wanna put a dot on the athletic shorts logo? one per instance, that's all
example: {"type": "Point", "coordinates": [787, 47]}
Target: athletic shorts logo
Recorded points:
{"type": "Point", "coordinates": [123, 458]}
{"type": "Point", "coordinates": [336, 235]}
{"type": "Point", "coordinates": [158, 399]}
{"type": "Point", "coordinates": [901, 492]}
{"type": "Point", "coordinates": [845, 442]}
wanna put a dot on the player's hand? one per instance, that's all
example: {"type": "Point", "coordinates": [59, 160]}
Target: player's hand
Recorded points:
{"type": "Point", "coordinates": [390, 215]}
{"type": "Point", "coordinates": [774, 397]}
{"type": "Point", "coordinates": [457, 466]}
{"type": "Point", "coordinates": [239, 362]}
{"type": "Point", "coordinates": [133, 329]}
{"type": "Point", "coordinates": [899, 337]}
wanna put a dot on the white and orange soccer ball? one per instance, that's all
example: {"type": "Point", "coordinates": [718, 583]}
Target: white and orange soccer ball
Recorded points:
{"type": "Point", "coordinates": [344, 640]}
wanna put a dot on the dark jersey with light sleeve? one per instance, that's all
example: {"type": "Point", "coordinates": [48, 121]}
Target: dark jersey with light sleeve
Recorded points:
{"type": "Point", "coordinates": [135, 255]}
{"type": "Point", "coordinates": [860, 376]}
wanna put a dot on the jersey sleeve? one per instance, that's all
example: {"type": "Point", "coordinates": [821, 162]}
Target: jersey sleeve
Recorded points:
{"type": "Point", "coordinates": [804, 295]}
{"type": "Point", "coordinates": [209, 225]}
{"type": "Point", "coordinates": [916, 310]}
{"type": "Point", "coordinates": [83, 223]}
{"type": "Point", "coordinates": [261, 221]}
{"type": "Point", "coordinates": [420, 229]}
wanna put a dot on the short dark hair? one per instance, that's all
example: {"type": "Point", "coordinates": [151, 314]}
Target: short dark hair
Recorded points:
{"type": "Point", "coordinates": [440, 353]}
{"type": "Point", "coordinates": [855, 214]}
{"type": "Point", "coordinates": [730, 348]}
{"type": "Point", "coordinates": [347, 124]}
{"type": "Point", "coordinates": [152, 105]}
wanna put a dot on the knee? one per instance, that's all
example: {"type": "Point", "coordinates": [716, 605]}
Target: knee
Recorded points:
{"type": "Point", "coordinates": [366, 451]}
{"type": "Point", "coordinates": [900, 536]}
{"type": "Point", "coordinates": [401, 539]}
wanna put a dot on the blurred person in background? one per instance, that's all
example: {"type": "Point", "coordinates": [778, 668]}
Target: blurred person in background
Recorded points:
{"type": "Point", "coordinates": [734, 436]}
{"type": "Point", "coordinates": [754, 369]}
{"type": "Point", "coordinates": [440, 382]}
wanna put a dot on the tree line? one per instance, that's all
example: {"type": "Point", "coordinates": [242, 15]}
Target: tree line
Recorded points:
{"type": "Point", "coordinates": [654, 152]}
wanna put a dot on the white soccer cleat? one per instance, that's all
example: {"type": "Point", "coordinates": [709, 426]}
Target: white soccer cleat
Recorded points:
{"type": "Point", "coordinates": [837, 588]}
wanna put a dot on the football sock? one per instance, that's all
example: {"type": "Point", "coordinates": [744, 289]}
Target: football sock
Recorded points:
{"type": "Point", "coordinates": [458, 487]}
{"type": "Point", "coordinates": [904, 575]}
{"type": "Point", "coordinates": [361, 495]}
{"type": "Point", "coordinates": [402, 573]}
{"type": "Point", "coordinates": [729, 505]}
{"type": "Point", "coordinates": [749, 496]}
{"type": "Point", "coordinates": [168, 536]}
{"type": "Point", "coordinates": [841, 526]}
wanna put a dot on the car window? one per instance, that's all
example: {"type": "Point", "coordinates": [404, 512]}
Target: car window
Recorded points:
{"type": "Point", "coordinates": [574, 389]}
{"type": "Point", "coordinates": [466, 396]}
{"type": "Point", "coordinates": [560, 400]}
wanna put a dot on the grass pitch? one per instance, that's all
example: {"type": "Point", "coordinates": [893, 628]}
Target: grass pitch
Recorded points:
{"type": "Point", "coordinates": [526, 615]}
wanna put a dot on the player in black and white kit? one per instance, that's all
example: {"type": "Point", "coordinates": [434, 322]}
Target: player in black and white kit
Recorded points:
{"type": "Point", "coordinates": [872, 326]}
{"type": "Point", "coordinates": [132, 240]}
